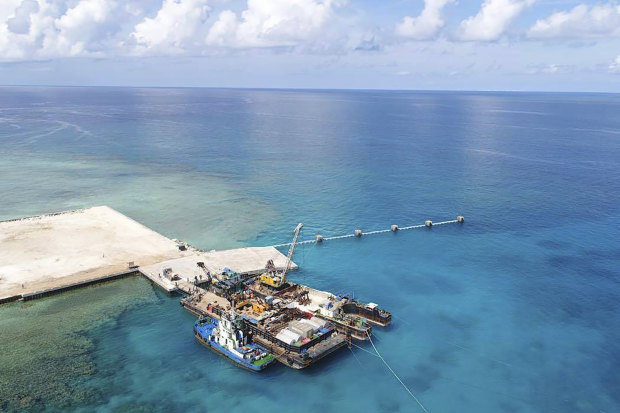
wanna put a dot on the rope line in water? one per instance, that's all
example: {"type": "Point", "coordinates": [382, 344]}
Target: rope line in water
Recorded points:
{"type": "Point", "coordinates": [363, 349]}
{"type": "Point", "coordinates": [374, 334]}
{"type": "Point", "coordinates": [355, 355]}
{"type": "Point", "coordinates": [396, 375]}
{"type": "Point", "coordinates": [479, 387]}
{"type": "Point", "coordinates": [379, 231]}
{"type": "Point", "coordinates": [475, 386]}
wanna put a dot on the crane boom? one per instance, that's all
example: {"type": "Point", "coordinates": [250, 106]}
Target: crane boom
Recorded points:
{"type": "Point", "coordinates": [274, 278]}
{"type": "Point", "coordinates": [291, 251]}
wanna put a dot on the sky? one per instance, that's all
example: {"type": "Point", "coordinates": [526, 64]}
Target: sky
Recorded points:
{"type": "Point", "coordinates": [524, 45]}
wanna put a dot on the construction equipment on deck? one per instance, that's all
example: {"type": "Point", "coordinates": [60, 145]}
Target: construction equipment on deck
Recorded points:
{"type": "Point", "coordinates": [272, 277]}
{"type": "Point", "coordinates": [258, 308]}
{"type": "Point", "coordinates": [207, 273]}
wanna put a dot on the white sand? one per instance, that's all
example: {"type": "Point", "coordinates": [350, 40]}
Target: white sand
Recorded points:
{"type": "Point", "coordinates": [52, 250]}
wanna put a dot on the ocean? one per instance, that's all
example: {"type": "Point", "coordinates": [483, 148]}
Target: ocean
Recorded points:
{"type": "Point", "coordinates": [516, 310]}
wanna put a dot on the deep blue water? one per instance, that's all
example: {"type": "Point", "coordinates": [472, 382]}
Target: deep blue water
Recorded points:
{"type": "Point", "coordinates": [516, 310]}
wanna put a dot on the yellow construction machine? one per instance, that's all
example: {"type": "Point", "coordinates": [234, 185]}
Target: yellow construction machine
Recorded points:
{"type": "Point", "coordinates": [274, 278]}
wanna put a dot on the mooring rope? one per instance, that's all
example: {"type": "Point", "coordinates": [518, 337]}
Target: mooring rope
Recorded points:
{"type": "Point", "coordinates": [396, 375]}
{"type": "Point", "coordinates": [363, 349]}
{"type": "Point", "coordinates": [379, 231]}
{"type": "Point", "coordinates": [374, 334]}
{"type": "Point", "coordinates": [355, 355]}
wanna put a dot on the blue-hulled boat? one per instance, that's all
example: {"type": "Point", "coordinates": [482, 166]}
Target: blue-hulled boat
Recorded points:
{"type": "Point", "coordinates": [228, 338]}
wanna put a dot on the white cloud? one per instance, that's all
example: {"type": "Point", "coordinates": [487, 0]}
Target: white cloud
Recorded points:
{"type": "Point", "coordinates": [492, 20]}
{"type": "Point", "coordinates": [366, 42]}
{"type": "Point", "coordinates": [614, 67]}
{"type": "Point", "coordinates": [47, 29]}
{"type": "Point", "coordinates": [582, 21]}
{"type": "Point", "coordinates": [550, 69]}
{"type": "Point", "coordinates": [174, 28]}
{"type": "Point", "coordinates": [427, 24]}
{"type": "Point", "coordinates": [76, 30]}
{"type": "Point", "coordinates": [8, 8]}
{"type": "Point", "coordinates": [37, 29]}
{"type": "Point", "coordinates": [15, 24]}
{"type": "Point", "coordinates": [271, 23]}
{"type": "Point", "coordinates": [19, 22]}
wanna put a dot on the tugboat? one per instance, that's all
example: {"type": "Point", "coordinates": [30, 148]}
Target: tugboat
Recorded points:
{"type": "Point", "coordinates": [228, 338]}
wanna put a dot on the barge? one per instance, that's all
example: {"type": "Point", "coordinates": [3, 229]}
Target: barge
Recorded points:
{"type": "Point", "coordinates": [371, 312]}
{"type": "Point", "coordinates": [296, 324]}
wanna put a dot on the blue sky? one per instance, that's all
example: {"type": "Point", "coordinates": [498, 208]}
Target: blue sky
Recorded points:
{"type": "Point", "coordinates": [555, 45]}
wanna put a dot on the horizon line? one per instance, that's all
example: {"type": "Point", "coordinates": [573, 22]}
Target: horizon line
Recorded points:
{"type": "Point", "coordinates": [308, 89]}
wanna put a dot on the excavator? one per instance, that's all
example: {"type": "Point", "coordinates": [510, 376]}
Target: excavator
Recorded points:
{"type": "Point", "coordinates": [274, 278]}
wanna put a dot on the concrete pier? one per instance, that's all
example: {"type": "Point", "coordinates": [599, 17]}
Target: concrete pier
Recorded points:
{"type": "Point", "coordinates": [54, 251]}
{"type": "Point", "coordinates": [245, 261]}
{"type": "Point", "coordinates": [50, 253]}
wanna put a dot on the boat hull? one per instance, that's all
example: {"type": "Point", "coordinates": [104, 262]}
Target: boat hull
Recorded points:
{"type": "Point", "coordinates": [233, 358]}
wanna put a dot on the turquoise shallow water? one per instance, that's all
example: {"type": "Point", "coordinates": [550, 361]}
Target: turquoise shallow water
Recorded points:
{"type": "Point", "coordinates": [517, 310]}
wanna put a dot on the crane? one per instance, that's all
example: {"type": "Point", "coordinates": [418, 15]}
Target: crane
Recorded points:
{"type": "Point", "coordinates": [271, 277]}
{"type": "Point", "coordinates": [201, 265]}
